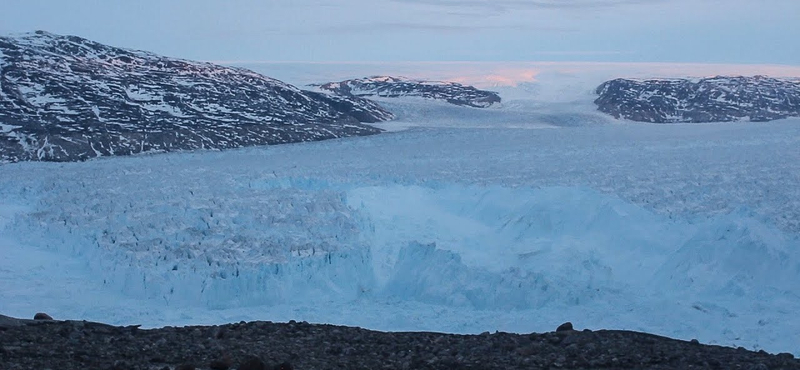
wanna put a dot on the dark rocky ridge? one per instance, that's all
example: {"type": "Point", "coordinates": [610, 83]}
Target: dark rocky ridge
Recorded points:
{"type": "Point", "coordinates": [364, 110]}
{"type": "Point", "coordinates": [64, 98]}
{"type": "Point", "coordinates": [715, 99]}
{"type": "Point", "coordinates": [67, 345]}
{"type": "Point", "coordinates": [394, 87]}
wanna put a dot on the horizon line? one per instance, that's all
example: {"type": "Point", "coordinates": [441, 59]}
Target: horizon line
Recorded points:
{"type": "Point", "coordinates": [494, 62]}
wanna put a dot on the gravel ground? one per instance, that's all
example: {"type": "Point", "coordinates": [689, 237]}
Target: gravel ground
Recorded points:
{"type": "Point", "coordinates": [65, 345]}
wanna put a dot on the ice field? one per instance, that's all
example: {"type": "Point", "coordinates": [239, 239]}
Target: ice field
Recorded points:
{"type": "Point", "coordinates": [515, 218]}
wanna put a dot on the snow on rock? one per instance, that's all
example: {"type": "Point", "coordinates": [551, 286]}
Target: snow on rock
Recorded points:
{"type": "Point", "coordinates": [364, 110]}
{"type": "Point", "coordinates": [64, 98]}
{"type": "Point", "coordinates": [394, 87]}
{"type": "Point", "coordinates": [6, 128]}
{"type": "Point", "coordinates": [715, 99]}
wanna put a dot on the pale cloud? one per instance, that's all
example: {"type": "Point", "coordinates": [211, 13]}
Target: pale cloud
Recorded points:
{"type": "Point", "coordinates": [582, 52]}
{"type": "Point", "coordinates": [389, 27]}
{"type": "Point", "coordinates": [516, 4]}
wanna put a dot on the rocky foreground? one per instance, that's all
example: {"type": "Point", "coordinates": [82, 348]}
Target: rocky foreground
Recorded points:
{"type": "Point", "coordinates": [48, 344]}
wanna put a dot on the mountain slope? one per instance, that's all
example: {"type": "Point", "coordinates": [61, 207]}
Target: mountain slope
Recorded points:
{"type": "Point", "coordinates": [393, 87]}
{"type": "Point", "coordinates": [715, 99]}
{"type": "Point", "coordinates": [64, 98]}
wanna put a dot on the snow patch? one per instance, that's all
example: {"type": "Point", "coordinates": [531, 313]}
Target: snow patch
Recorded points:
{"type": "Point", "coordinates": [6, 128]}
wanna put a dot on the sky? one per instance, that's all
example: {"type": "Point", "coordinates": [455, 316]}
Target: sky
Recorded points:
{"type": "Point", "coordinates": [680, 31]}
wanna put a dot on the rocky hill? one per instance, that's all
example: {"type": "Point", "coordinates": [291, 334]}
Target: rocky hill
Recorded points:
{"type": "Point", "coordinates": [715, 99]}
{"type": "Point", "coordinates": [65, 98]}
{"type": "Point", "coordinates": [394, 87]}
{"type": "Point", "coordinates": [66, 345]}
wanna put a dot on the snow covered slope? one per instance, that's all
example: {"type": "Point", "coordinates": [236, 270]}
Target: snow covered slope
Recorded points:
{"type": "Point", "coordinates": [395, 87]}
{"type": "Point", "coordinates": [715, 99]}
{"type": "Point", "coordinates": [64, 98]}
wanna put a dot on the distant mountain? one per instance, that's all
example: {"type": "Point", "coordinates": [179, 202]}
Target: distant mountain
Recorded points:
{"type": "Point", "coordinates": [393, 87]}
{"type": "Point", "coordinates": [65, 98]}
{"type": "Point", "coordinates": [716, 99]}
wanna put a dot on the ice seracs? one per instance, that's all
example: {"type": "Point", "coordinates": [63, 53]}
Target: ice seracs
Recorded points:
{"type": "Point", "coordinates": [65, 98]}
{"type": "Point", "coordinates": [715, 99]}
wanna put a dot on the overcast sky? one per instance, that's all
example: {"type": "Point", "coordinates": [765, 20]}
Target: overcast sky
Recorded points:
{"type": "Point", "coordinates": [701, 31]}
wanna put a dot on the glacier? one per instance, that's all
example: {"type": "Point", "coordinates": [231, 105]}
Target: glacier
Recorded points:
{"type": "Point", "coordinates": [456, 220]}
